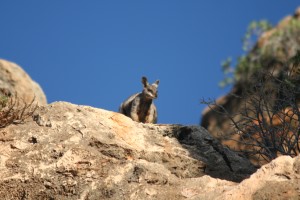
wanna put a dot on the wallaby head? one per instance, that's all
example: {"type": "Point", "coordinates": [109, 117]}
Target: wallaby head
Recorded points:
{"type": "Point", "coordinates": [140, 107]}
{"type": "Point", "coordinates": [150, 90]}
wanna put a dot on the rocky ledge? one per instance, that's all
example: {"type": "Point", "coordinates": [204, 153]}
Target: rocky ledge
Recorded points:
{"type": "Point", "coordinates": [67, 151]}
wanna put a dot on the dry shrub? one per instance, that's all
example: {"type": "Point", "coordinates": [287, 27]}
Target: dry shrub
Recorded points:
{"type": "Point", "coordinates": [267, 123]}
{"type": "Point", "coordinates": [14, 110]}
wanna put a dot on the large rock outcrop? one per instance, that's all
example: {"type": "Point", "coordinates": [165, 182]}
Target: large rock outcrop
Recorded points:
{"type": "Point", "coordinates": [14, 80]}
{"type": "Point", "coordinates": [271, 53]}
{"type": "Point", "coordinates": [67, 151]}
{"type": "Point", "coordinates": [79, 152]}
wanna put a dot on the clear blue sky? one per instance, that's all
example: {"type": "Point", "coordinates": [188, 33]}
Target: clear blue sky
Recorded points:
{"type": "Point", "coordinates": [95, 52]}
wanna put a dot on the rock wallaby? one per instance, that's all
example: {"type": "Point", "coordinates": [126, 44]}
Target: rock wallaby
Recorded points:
{"type": "Point", "coordinates": [140, 107]}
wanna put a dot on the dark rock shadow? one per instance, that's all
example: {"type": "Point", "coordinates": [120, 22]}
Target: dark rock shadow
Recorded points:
{"type": "Point", "coordinates": [220, 161]}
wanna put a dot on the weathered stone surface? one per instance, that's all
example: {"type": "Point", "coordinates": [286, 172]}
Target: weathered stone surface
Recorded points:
{"type": "Point", "coordinates": [15, 80]}
{"type": "Point", "coordinates": [279, 179]}
{"type": "Point", "coordinates": [68, 151]}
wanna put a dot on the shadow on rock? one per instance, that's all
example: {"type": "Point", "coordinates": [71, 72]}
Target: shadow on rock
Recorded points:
{"type": "Point", "coordinates": [220, 161]}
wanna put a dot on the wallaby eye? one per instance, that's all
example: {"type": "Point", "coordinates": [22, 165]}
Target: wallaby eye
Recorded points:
{"type": "Point", "coordinates": [150, 90]}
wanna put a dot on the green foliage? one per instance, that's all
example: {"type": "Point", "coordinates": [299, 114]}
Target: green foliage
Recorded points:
{"type": "Point", "coordinates": [228, 71]}
{"type": "Point", "coordinates": [275, 49]}
{"type": "Point", "coordinates": [284, 41]}
{"type": "Point", "coordinates": [231, 73]}
{"type": "Point", "coordinates": [294, 24]}
{"type": "Point", "coordinates": [254, 31]}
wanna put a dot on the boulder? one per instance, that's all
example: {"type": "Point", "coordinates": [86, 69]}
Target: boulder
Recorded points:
{"type": "Point", "coordinates": [14, 80]}
{"type": "Point", "coordinates": [68, 151]}
{"type": "Point", "coordinates": [279, 179]}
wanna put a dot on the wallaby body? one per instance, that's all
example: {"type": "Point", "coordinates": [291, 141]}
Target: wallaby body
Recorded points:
{"type": "Point", "coordinates": [140, 107]}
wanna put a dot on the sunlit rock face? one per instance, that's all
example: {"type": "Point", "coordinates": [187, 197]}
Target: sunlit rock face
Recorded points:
{"type": "Point", "coordinates": [15, 81]}
{"type": "Point", "coordinates": [67, 151]}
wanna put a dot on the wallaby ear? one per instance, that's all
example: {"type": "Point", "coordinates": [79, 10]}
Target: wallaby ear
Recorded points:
{"type": "Point", "coordinates": [145, 81]}
{"type": "Point", "coordinates": [156, 83]}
